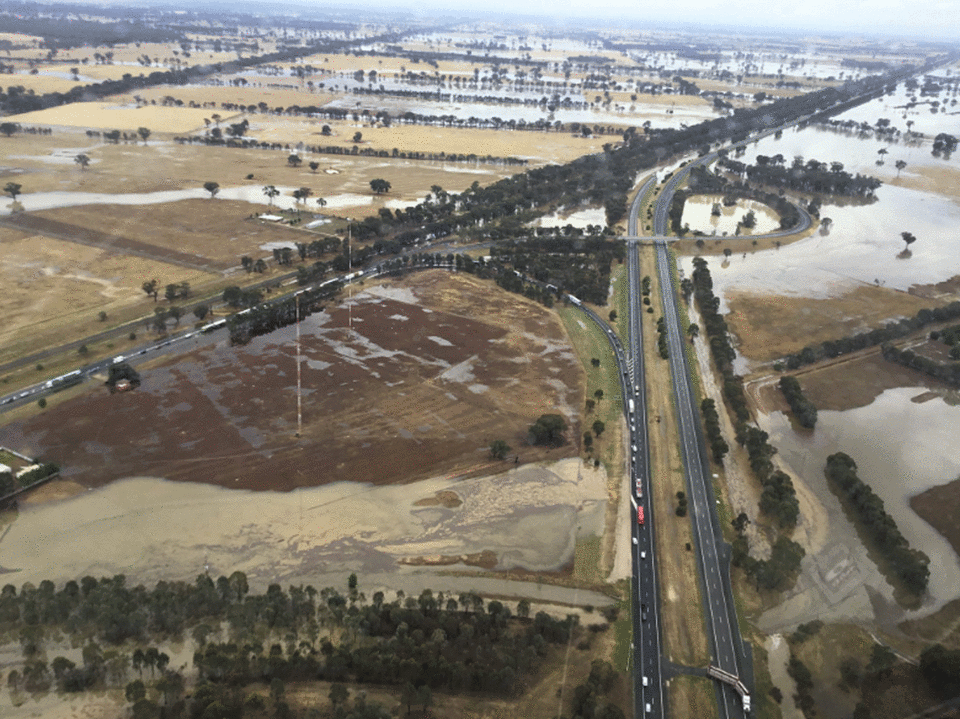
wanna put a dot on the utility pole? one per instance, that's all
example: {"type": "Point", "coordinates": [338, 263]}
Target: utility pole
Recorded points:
{"type": "Point", "coordinates": [299, 417]}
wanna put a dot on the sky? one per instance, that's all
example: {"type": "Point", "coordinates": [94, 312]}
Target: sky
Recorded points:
{"type": "Point", "coordinates": [909, 19]}
{"type": "Point", "coordinates": [939, 19]}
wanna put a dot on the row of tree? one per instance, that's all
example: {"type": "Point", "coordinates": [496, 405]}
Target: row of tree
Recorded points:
{"type": "Point", "coordinates": [948, 372]}
{"type": "Point", "coordinates": [711, 421]}
{"type": "Point", "coordinates": [872, 338]}
{"type": "Point", "coordinates": [353, 150]}
{"type": "Point", "coordinates": [778, 499]}
{"type": "Point", "coordinates": [909, 565]}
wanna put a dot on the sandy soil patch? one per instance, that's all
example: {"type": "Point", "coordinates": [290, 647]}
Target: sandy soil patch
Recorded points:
{"type": "Point", "coordinates": [383, 401]}
{"type": "Point", "coordinates": [112, 116]}
{"type": "Point", "coordinates": [769, 327]}
{"type": "Point", "coordinates": [940, 507]}
{"type": "Point", "coordinates": [55, 287]}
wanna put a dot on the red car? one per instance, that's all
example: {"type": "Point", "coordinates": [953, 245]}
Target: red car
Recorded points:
{"type": "Point", "coordinates": [639, 515]}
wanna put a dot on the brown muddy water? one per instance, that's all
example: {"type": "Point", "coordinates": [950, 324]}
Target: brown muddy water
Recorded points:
{"type": "Point", "coordinates": [903, 443]}
{"type": "Point", "coordinates": [151, 529]}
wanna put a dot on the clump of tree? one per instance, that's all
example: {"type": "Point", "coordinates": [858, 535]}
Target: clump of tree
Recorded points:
{"type": "Point", "coordinates": [662, 346]}
{"type": "Point", "coordinates": [549, 430]}
{"type": "Point", "coordinates": [590, 699]}
{"type": "Point", "coordinates": [121, 371]}
{"type": "Point", "coordinates": [909, 565]}
{"type": "Point", "coordinates": [940, 668]}
{"type": "Point", "coordinates": [802, 408]}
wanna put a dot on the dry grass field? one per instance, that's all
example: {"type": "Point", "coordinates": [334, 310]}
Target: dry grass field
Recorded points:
{"type": "Point", "coordinates": [770, 327]}
{"type": "Point", "coordinates": [45, 163]}
{"type": "Point", "coordinates": [56, 289]}
{"type": "Point", "coordinates": [111, 116]}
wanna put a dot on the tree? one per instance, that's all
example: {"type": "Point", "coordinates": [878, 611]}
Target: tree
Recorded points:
{"type": "Point", "coordinates": [144, 134]}
{"type": "Point", "coordinates": [8, 128]}
{"type": "Point", "coordinates": [499, 449]}
{"type": "Point", "coordinates": [900, 164]}
{"type": "Point", "coordinates": [201, 311]}
{"type": "Point", "coordinates": [135, 691]}
{"type": "Point", "coordinates": [598, 394]}
{"type": "Point", "coordinates": [150, 287]}
{"type": "Point", "coordinates": [321, 202]}
{"type": "Point", "coordinates": [212, 187]}
{"type": "Point", "coordinates": [548, 429]}
{"type": "Point", "coordinates": [302, 194]}
{"type": "Point", "coordinates": [598, 427]}
{"type": "Point", "coordinates": [379, 186]}
{"type": "Point", "coordinates": [82, 160]}
{"type": "Point", "coordinates": [908, 238]}
{"type": "Point", "coordinates": [314, 166]}
{"type": "Point", "coordinates": [13, 189]}
{"type": "Point", "coordinates": [326, 131]}
{"type": "Point", "coordinates": [270, 191]}
{"type": "Point", "coordinates": [613, 315]}
{"type": "Point", "coordinates": [294, 160]}
{"type": "Point", "coordinates": [693, 330]}
{"type": "Point", "coordinates": [357, 136]}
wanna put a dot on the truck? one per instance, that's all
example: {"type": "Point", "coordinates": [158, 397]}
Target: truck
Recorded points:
{"type": "Point", "coordinates": [734, 681]}
{"type": "Point", "coordinates": [640, 514]}
{"type": "Point", "coordinates": [630, 406]}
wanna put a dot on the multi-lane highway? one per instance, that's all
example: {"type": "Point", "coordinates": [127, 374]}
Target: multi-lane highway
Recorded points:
{"type": "Point", "coordinates": [723, 632]}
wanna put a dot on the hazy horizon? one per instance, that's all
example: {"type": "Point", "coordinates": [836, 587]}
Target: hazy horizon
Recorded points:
{"type": "Point", "coordinates": [938, 21]}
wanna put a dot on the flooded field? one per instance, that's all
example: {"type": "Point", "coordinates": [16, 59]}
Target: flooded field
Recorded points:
{"type": "Point", "coordinates": [151, 529]}
{"type": "Point", "coordinates": [400, 381]}
{"type": "Point", "coordinates": [903, 444]}
{"type": "Point", "coordinates": [697, 214]}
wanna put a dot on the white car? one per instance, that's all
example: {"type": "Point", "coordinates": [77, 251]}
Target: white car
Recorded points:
{"type": "Point", "coordinates": [643, 555]}
{"type": "Point", "coordinates": [646, 682]}
{"type": "Point", "coordinates": [634, 540]}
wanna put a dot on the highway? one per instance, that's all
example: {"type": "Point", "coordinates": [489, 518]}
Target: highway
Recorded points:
{"type": "Point", "coordinates": [723, 631]}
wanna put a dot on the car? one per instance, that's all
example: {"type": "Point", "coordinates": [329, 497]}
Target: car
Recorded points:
{"type": "Point", "coordinates": [649, 708]}
{"type": "Point", "coordinates": [634, 540]}
{"type": "Point", "coordinates": [643, 555]}
{"type": "Point", "coordinates": [646, 682]}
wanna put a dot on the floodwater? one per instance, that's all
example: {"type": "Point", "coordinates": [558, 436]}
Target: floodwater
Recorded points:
{"type": "Point", "coordinates": [581, 219]}
{"type": "Point", "coordinates": [152, 529]}
{"type": "Point", "coordinates": [245, 193]}
{"type": "Point", "coordinates": [863, 246]}
{"type": "Point", "coordinates": [902, 446]}
{"type": "Point", "coordinates": [697, 213]}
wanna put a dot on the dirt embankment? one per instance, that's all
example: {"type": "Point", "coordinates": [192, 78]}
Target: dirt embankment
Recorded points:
{"type": "Point", "coordinates": [940, 507]}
